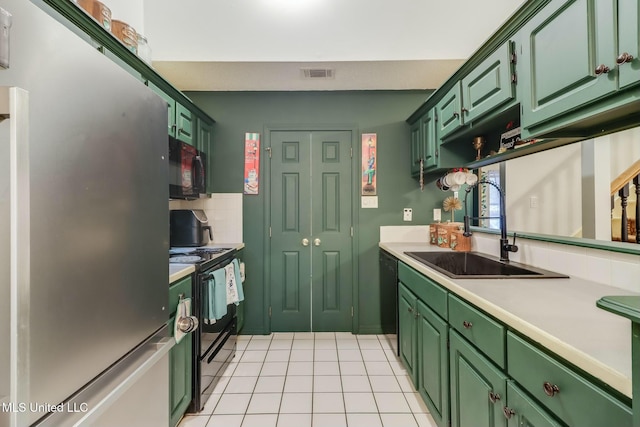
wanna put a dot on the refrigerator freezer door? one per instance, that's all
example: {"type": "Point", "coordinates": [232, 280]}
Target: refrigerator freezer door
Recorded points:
{"type": "Point", "coordinates": [91, 277]}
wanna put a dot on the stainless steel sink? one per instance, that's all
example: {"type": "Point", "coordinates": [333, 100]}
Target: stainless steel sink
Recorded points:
{"type": "Point", "coordinates": [472, 265]}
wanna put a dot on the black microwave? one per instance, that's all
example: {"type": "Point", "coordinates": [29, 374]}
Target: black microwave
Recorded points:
{"type": "Point", "coordinates": [187, 170]}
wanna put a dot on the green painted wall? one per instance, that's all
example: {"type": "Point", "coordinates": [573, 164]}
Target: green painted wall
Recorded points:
{"type": "Point", "coordinates": [381, 112]}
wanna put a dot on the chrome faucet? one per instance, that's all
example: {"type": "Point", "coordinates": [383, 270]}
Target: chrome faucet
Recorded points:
{"type": "Point", "coordinates": [505, 246]}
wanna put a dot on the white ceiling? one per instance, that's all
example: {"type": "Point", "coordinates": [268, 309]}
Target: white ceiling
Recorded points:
{"type": "Point", "coordinates": [264, 44]}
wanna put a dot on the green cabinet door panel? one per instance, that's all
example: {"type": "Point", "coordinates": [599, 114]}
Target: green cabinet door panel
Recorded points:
{"type": "Point", "coordinates": [489, 85]}
{"type": "Point", "coordinates": [185, 126]}
{"type": "Point", "coordinates": [205, 144]}
{"type": "Point", "coordinates": [572, 398]}
{"type": "Point", "coordinates": [311, 261]}
{"type": "Point", "coordinates": [171, 109]}
{"type": "Point", "coordinates": [563, 45]}
{"type": "Point", "coordinates": [416, 148]}
{"type": "Point", "coordinates": [628, 42]}
{"type": "Point", "coordinates": [180, 356]}
{"type": "Point", "coordinates": [424, 288]}
{"type": "Point", "coordinates": [408, 331]}
{"type": "Point", "coordinates": [473, 378]}
{"type": "Point", "coordinates": [180, 380]}
{"type": "Point", "coordinates": [429, 143]}
{"type": "Point", "coordinates": [433, 363]}
{"type": "Point", "coordinates": [448, 111]}
{"type": "Point", "coordinates": [482, 331]}
{"type": "Point", "coordinates": [522, 411]}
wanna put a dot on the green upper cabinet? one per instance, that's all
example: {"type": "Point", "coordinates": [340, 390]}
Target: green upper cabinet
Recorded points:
{"type": "Point", "coordinates": [416, 148]}
{"type": "Point", "coordinates": [205, 144]}
{"type": "Point", "coordinates": [430, 143]}
{"type": "Point", "coordinates": [171, 108]}
{"type": "Point", "coordinates": [180, 120]}
{"type": "Point", "coordinates": [185, 125]}
{"type": "Point", "coordinates": [448, 111]}
{"type": "Point", "coordinates": [489, 85]}
{"type": "Point", "coordinates": [568, 58]}
{"type": "Point", "coordinates": [628, 60]}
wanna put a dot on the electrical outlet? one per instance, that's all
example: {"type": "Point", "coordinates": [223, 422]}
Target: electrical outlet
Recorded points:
{"type": "Point", "coordinates": [407, 214]}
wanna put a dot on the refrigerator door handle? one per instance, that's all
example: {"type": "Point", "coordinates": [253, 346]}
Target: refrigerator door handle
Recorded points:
{"type": "Point", "coordinates": [14, 329]}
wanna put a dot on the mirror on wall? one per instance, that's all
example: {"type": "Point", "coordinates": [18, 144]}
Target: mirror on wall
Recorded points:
{"type": "Point", "coordinates": [565, 191]}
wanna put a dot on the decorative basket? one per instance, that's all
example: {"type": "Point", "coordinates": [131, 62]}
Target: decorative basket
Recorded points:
{"type": "Point", "coordinates": [444, 232]}
{"type": "Point", "coordinates": [459, 242]}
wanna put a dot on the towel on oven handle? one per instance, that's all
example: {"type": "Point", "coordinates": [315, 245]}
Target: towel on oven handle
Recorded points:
{"type": "Point", "coordinates": [235, 292]}
{"type": "Point", "coordinates": [238, 269]}
{"type": "Point", "coordinates": [215, 302]}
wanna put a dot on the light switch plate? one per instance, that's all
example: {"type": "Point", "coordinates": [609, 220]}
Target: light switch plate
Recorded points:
{"type": "Point", "coordinates": [369, 202]}
{"type": "Point", "coordinates": [407, 214]}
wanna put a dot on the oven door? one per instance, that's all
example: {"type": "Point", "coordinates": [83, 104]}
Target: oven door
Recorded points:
{"type": "Point", "coordinates": [217, 348]}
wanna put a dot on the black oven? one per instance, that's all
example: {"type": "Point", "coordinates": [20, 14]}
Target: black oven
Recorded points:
{"type": "Point", "coordinates": [214, 345]}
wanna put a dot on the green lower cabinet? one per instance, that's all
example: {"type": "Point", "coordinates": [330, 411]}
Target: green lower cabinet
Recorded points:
{"type": "Point", "coordinates": [567, 394]}
{"type": "Point", "coordinates": [408, 332]}
{"type": "Point", "coordinates": [522, 411]}
{"type": "Point", "coordinates": [475, 384]}
{"type": "Point", "coordinates": [180, 380]}
{"type": "Point", "coordinates": [180, 357]}
{"type": "Point", "coordinates": [433, 363]}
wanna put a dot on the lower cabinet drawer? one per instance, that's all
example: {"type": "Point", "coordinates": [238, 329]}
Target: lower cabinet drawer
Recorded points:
{"type": "Point", "coordinates": [482, 331]}
{"type": "Point", "coordinates": [426, 289]}
{"type": "Point", "coordinates": [569, 396]}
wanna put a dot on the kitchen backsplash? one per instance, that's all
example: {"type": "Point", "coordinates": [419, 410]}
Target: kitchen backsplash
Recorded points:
{"type": "Point", "coordinates": [609, 268]}
{"type": "Point", "coordinates": [224, 211]}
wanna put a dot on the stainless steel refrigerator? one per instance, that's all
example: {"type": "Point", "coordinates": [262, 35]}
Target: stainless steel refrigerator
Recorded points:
{"type": "Point", "coordinates": [83, 233]}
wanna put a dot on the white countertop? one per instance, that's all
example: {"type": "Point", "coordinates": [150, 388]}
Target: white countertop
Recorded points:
{"type": "Point", "coordinates": [560, 314]}
{"type": "Point", "coordinates": [178, 271]}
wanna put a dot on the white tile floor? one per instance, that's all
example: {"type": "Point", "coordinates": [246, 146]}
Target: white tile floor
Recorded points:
{"type": "Point", "coordinates": [314, 380]}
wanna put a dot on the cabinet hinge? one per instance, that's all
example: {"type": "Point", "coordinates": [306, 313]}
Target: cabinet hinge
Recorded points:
{"type": "Point", "coordinates": [514, 58]}
{"type": "Point", "coordinates": [351, 311]}
{"type": "Point", "coordinates": [269, 311]}
{"type": "Point", "coordinates": [351, 152]}
{"type": "Point", "coordinates": [269, 231]}
{"type": "Point", "coordinates": [514, 78]}
{"type": "Point", "coordinates": [268, 149]}
{"type": "Point", "coordinates": [351, 231]}
{"type": "Point", "coordinates": [448, 344]}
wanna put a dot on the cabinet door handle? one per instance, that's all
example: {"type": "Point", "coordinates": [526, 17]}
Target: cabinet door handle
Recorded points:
{"type": "Point", "coordinates": [494, 397]}
{"type": "Point", "coordinates": [550, 389]}
{"type": "Point", "coordinates": [410, 309]}
{"type": "Point", "coordinates": [456, 114]}
{"type": "Point", "coordinates": [624, 57]}
{"type": "Point", "coordinates": [467, 325]}
{"type": "Point", "coordinates": [508, 412]}
{"type": "Point", "coordinates": [602, 69]}
{"type": "Point", "coordinates": [464, 110]}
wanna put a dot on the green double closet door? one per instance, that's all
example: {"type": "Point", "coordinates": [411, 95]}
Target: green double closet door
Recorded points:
{"type": "Point", "coordinates": [311, 231]}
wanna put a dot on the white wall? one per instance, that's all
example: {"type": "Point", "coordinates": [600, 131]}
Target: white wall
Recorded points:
{"type": "Point", "coordinates": [320, 30]}
{"type": "Point", "coordinates": [553, 177]}
{"type": "Point", "coordinates": [625, 150]}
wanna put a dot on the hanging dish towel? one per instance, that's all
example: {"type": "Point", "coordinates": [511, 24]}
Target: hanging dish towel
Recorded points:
{"type": "Point", "coordinates": [238, 268]}
{"type": "Point", "coordinates": [232, 287]}
{"type": "Point", "coordinates": [183, 310]}
{"type": "Point", "coordinates": [215, 302]}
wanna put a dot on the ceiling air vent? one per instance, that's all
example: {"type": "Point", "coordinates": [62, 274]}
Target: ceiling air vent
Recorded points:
{"type": "Point", "coordinates": [318, 73]}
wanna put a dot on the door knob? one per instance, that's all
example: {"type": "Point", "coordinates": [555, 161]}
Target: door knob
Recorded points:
{"type": "Point", "coordinates": [305, 242]}
{"type": "Point", "coordinates": [316, 242]}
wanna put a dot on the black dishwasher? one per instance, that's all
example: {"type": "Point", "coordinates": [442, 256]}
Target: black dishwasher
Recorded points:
{"type": "Point", "coordinates": [389, 294]}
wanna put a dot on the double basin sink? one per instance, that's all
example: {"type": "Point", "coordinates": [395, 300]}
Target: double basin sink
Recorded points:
{"type": "Point", "coordinates": [472, 265]}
